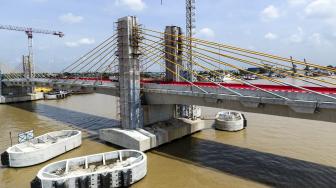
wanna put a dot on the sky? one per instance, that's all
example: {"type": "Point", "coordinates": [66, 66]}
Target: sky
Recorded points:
{"type": "Point", "coordinates": [298, 28]}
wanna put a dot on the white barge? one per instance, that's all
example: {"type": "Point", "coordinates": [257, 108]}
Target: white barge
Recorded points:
{"type": "Point", "coordinates": [230, 121]}
{"type": "Point", "coordinates": [120, 168]}
{"type": "Point", "coordinates": [41, 148]}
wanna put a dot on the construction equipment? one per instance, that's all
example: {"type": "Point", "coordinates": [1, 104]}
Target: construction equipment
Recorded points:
{"type": "Point", "coordinates": [190, 110]}
{"type": "Point", "coordinates": [190, 25]}
{"type": "Point", "coordinates": [28, 65]}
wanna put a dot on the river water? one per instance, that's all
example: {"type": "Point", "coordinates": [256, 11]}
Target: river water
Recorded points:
{"type": "Point", "coordinates": [272, 152]}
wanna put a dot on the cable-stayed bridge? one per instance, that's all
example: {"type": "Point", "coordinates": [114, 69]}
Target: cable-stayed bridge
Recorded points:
{"type": "Point", "coordinates": [287, 87]}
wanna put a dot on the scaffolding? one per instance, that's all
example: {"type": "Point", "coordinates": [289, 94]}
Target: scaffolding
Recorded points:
{"type": "Point", "coordinates": [129, 73]}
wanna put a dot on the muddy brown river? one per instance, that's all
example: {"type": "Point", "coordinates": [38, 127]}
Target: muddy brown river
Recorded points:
{"type": "Point", "coordinates": [272, 152]}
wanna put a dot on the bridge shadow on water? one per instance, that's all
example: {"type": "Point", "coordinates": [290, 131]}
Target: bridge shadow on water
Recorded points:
{"type": "Point", "coordinates": [269, 169]}
{"type": "Point", "coordinates": [88, 122]}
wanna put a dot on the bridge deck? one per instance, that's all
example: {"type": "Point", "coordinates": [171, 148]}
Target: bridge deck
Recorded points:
{"type": "Point", "coordinates": [292, 101]}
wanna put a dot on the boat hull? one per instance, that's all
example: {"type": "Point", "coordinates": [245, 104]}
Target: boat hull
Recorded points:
{"type": "Point", "coordinates": [29, 158]}
{"type": "Point", "coordinates": [55, 96]}
{"type": "Point", "coordinates": [118, 177]}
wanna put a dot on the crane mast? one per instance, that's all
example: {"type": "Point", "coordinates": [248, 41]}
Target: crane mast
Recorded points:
{"type": "Point", "coordinates": [190, 26]}
{"type": "Point", "coordinates": [189, 110]}
{"type": "Point", "coordinates": [28, 65]}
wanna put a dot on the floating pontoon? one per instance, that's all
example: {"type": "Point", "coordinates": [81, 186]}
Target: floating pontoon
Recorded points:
{"type": "Point", "coordinates": [105, 170]}
{"type": "Point", "coordinates": [41, 148]}
{"type": "Point", "coordinates": [230, 121]}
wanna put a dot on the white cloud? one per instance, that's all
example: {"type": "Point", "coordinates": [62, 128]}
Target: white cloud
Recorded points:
{"type": "Point", "coordinates": [136, 5]}
{"type": "Point", "coordinates": [206, 32]}
{"type": "Point", "coordinates": [71, 44]}
{"type": "Point", "coordinates": [86, 41]}
{"type": "Point", "coordinates": [70, 18]}
{"type": "Point", "coordinates": [297, 37]}
{"type": "Point", "coordinates": [271, 36]}
{"type": "Point", "coordinates": [316, 38]}
{"type": "Point", "coordinates": [322, 9]}
{"type": "Point", "coordinates": [82, 41]}
{"type": "Point", "coordinates": [270, 13]}
{"type": "Point", "coordinates": [297, 2]}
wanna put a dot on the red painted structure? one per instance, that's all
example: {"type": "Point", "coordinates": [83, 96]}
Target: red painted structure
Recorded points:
{"type": "Point", "coordinates": [325, 90]}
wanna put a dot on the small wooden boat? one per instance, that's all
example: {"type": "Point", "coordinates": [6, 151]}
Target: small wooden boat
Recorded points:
{"type": "Point", "coordinates": [41, 148]}
{"type": "Point", "coordinates": [105, 170]}
{"type": "Point", "coordinates": [230, 121]}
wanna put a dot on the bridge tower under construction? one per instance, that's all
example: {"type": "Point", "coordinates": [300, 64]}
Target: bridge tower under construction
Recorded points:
{"type": "Point", "coordinates": [129, 73]}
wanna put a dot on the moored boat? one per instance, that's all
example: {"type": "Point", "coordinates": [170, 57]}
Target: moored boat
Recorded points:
{"type": "Point", "coordinates": [230, 121]}
{"type": "Point", "coordinates": [120, 168]}
{"type": "Point", "coordinates": [56, 95]}
{"type": "Point", "coordinates": [41, 148]}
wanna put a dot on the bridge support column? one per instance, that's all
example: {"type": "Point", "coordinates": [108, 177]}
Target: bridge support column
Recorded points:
{"type": "Point", "coordinates": [129, 72]}
{"type": "Point", "coordinates": [27, 66]}
{"type": "Point", "coordinates": [2, 98]}
{"type": "Point", "coordinates": [174, 50]}
{"type": "Point", "coordinates": [132, 134]}
{"type": "Point", "coordinates": [128, 135]}
{"type": "Point", "coordinates": [174, 57]}
{"type": "Point", "coordinates": [0, 83]}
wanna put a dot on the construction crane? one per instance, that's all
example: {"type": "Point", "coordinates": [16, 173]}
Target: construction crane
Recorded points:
{"type": "Point", "coordinates": [190, 27]}
{"type": "Point", "coordinates": [28, 65]}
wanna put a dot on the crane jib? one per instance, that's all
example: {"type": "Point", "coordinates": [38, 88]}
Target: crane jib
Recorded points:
{"type": "Point", "coordinates": [29, 31]}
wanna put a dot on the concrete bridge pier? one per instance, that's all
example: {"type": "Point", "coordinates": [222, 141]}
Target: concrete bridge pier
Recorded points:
{"type": "Point", "coordinates": [129, 87]}
{"type": "Point", "coordinates": [13, 94]}
{"type": "Point", "coordinates": [1, 97]}
{"type": "Point", "coordinates": [129, 73]}
{"type": "Point", "coordinates": [174, 62]}
{"type": "Point", "coordinates": [133, 134]}
{"type": "Point", "coordinates": [174, 72]}
{"type": "Point", "coordinates": [28, 70]}
{"type": "Point", "coordinates": [0, 83]}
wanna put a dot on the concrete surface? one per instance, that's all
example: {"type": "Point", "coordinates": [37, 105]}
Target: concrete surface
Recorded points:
{"type": "Point", "coordinates": [29, 97]}
{"type": "Point", "coordinates": [151, 136]}
{"type": "Point", "coordinates": [25, 157]}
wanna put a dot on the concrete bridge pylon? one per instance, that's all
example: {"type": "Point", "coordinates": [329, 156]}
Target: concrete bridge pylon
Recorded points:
{"type": "Point", "coordinates": [0, 82]}
{"type": "Point", "coordinates": [129, 73]}
{"type": "Point", "coordinates": [161, 127]}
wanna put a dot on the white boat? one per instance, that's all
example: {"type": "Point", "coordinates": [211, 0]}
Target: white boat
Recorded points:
{"type": "Point", "coordinates": [56, 95]}
{"type": "Point", "coordinates": [41, 148]}
{"type": "Point", "coordinates": [230, 121]}
{"type": "Point", "coordinates": [120, 168]}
